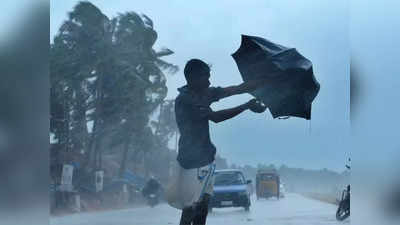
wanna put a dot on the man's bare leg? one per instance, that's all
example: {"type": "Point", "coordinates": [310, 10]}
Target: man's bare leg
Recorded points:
{"type": "Point", "coordinates": [202, 211]}
{"type": "Point", "coordinates": [187, 216]}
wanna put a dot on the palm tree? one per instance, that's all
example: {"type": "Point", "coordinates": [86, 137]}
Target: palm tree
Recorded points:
{"type": "Point", "coordinates": [106, 79]}
{"type": "Point", "coordinates": [142, 68]}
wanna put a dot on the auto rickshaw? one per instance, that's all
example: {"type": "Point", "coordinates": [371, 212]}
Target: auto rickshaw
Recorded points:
{"type": "Point", "coordinates": [267, 184]}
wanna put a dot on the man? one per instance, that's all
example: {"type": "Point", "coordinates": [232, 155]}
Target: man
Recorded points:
{"type": "Point", "coordinates": [196, 151]}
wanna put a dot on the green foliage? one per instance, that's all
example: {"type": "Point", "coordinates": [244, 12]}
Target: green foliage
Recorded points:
{"type": "Point", "coordinates": [105, 72]}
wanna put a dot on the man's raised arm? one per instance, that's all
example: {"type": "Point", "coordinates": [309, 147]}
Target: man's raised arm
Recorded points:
{"type": "Point", "coordinates": [226, 114]}
{"type": "Point", "coordinates": [244, 87]}
{"type": "Point", "coordinates": [251, 85]}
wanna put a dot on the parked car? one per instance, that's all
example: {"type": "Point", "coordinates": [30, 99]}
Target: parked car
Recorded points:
{"type": "Point", "coordinates": [231, 189]}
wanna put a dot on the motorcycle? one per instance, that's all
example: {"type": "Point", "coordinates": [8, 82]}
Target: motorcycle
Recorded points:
{"type": "Point", "coordinates": [152, 192]}
{"type": "Point", "coordinates": [343, 210]}
{"type": "Point", "coordinates": [152, 199]}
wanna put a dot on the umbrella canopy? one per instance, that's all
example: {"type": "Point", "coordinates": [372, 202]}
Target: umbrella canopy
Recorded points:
{"type": "Point", "coordinates": [292, 86]}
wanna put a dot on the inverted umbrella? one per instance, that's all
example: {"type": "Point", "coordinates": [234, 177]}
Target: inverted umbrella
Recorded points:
{"type": "Point", "coordinates": [292, 86]}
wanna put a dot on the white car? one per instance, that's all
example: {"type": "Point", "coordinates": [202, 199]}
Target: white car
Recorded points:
{"type": "Point", "coordinates": [282, 190]}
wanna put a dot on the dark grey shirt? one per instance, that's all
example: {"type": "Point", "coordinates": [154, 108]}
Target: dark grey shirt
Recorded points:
{"type": "Point", "coordinates": [191, 112]}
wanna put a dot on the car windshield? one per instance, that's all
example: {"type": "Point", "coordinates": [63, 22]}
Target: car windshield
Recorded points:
{"type": "Point", "coordinates": [267, 177]}
{"type": "Point", "coordinates": [228, 178]}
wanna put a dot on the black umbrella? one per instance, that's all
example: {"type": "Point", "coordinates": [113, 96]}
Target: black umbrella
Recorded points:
{"type": "Point", "coordinates": [292, 86]}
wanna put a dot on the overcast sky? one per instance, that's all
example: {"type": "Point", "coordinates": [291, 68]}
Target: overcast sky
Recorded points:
{"type": "Point", "coordinates": [210, 30]}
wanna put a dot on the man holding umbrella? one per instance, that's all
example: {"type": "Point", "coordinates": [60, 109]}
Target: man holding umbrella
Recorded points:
{"type": "Point", "coordinates": [193, 186]}
{"type": "Point", "coordinates": [279, 76]}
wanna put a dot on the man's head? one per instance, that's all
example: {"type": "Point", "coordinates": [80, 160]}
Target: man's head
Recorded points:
{"type": "Point", "coordinates": [197, 74]}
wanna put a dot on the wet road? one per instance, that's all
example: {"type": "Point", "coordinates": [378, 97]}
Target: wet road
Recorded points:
{"type": "Point", "coordinates": [292, 210]}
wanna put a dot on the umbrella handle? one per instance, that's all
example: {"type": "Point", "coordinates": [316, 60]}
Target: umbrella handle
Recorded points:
{"type": "Point", "coordinates": [284, 117]}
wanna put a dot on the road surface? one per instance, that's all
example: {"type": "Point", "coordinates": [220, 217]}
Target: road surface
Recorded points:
{"type": "Point", "coordinates": [292, 210]}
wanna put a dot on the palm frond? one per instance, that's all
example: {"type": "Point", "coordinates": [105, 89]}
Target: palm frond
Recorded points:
{"type": "Point", "coordinates": [147, 21]}
{"type": "Point", "coordinates": [164, 52]}
{"type": "Point", "coordinates": [171, 68]}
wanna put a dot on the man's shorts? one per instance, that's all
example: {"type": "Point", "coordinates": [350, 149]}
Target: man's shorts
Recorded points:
{"type": "Point", "coordinates": [188, 186]}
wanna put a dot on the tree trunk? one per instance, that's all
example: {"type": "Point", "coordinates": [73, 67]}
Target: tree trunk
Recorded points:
{"type": "Point", "coordinates": [90, 145]}
{"type": "Point", "coordinates": [79, 135]}
{"type": "Point", "coordinates": [93, 142]}
{"type": "Point", "coordinates": [124, 157]}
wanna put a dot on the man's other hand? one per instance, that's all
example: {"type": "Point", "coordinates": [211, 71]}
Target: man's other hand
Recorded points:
{"type": "Point", "coordinates": [256, 106]}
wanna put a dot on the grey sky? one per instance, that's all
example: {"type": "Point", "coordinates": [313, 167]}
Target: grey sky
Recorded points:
{"type": "Point", "coordinates": [375, 52]}
{"type": "Point", "coordinates": [210, 30]}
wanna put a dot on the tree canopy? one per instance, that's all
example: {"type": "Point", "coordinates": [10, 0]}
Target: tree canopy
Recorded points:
{"type": "Point", "coordinates": [106, 82]}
